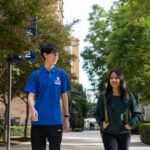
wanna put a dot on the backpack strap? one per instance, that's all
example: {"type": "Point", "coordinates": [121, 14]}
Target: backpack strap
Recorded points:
{"type": "Point", "coordinates": [128, 107]}
{"type": "Point", "coordinates": [127, 115]}
{"type": "Point", "coordinates": [106, 109]}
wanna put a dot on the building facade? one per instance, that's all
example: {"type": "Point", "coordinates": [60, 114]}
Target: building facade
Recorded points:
{"type": "Point", "coordinates": [75, 63]}
{"type": "Point", "coordinates": [73, 49]}
{"type": "Point", "coordinates": [58, 10]}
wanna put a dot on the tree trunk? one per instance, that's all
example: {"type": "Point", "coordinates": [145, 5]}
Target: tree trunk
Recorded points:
{"type": "Point", "coordinates": [5, 124]}
{"type": "Point", "coordinates": [26, 121]}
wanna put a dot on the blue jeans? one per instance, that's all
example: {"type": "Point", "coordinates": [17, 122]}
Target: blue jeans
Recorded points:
{"type": "Point", "coordinates": [116, 142]}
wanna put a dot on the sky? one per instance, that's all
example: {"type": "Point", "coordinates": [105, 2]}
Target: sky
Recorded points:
{"type": "Point", "coordinates": [79, 9]}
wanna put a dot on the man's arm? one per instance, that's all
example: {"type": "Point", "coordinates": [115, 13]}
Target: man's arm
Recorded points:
{"type": "Point", "coordinates": [34, 114]}
{"type": "Point", "coordinates": [65, 106]}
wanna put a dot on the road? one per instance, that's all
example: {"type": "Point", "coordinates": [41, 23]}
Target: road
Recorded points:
{"type": "Point", "coordinates": [86, 140]}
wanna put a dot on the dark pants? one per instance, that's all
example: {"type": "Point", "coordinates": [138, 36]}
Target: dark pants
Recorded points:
{"type": "Point", "coordinates": [39, 134]}
{"type": "Point", "coordinates": [116, 142]}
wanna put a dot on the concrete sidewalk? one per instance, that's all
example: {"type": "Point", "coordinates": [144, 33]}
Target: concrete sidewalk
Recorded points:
{"type": "Point", "coordinates": [86, 140]}
{"type": "Point", "coordinates": [136, 144]}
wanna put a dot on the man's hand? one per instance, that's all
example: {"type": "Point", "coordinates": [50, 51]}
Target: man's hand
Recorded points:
{"type": "Point", "coordinates": [34, 115]}
{"type": "Point", "coordinates": [66, 124]}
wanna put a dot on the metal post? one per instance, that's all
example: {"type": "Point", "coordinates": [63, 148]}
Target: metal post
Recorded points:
{"type": "Point", "coordinates": [9, 103]}
{"type": "Point", "coordinates": [29, 56]}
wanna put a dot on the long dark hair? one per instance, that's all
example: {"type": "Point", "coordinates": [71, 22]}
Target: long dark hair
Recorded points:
{"type": "Point", "coordinates": [123, 87]}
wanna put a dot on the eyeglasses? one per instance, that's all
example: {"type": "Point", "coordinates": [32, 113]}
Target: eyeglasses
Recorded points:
{"type": "Point", "coordinates": [55, 54]}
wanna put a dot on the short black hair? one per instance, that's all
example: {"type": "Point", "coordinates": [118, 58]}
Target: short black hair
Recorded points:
{"type": "Point", "coordinates": [48, 48]}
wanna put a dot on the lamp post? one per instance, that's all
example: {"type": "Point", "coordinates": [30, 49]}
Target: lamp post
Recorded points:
{"type": "Point", "coordinates": [8, 103]}
{"type": "Point", "coordinates": [28, 56]}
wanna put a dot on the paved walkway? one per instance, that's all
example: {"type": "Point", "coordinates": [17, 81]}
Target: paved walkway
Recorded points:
{"type": "Point", "coordinates": [87, 140]}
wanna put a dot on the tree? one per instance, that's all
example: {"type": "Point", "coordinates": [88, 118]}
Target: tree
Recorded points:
{"type": "Point", "coordinates": [125, 45]}
{"type": "Point", "coordinates": [128, 46]}
{"type": "Point", "coordinates": [15, 19]}
{"type": "Point", "coordinates": [94, 53]}
{"type": "Point", "coordinates": [78, 106]}
{"type": "Point", "coordinates": [51, 29]}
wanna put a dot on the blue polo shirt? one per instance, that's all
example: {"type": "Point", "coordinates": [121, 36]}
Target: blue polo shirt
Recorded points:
{"type": "Point", "coordinates": [48, 87]}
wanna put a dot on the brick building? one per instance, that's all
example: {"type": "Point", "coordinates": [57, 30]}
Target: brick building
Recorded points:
{"type": "Point", "coordinates": [75, 63]}
{"type": "Point", "coordinates": [74, 48]}
{"type": "Point", "coordinates": [58, 10]}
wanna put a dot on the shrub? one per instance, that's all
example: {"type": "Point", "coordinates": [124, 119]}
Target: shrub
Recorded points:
{"type": "Point", "coordinates": [76, 122]}
{"type": "Point", "coordinates": [136, 129]}
{"type": "Point", "coordinates": [1, 127]}
{"type": "Point", "coordinates": [145, 132]}
{"type": "Point", "coordinates": [19, 131]}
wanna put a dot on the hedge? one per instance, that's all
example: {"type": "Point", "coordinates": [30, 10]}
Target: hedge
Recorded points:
{"type": "Point", "coordinates": [1, 128]}
{"type": "Point", "coordinates": [136, 129]}
{"type": "Point", "coordinates": [19, 131]}
{"type": "Point", "coordinates": [145, 132]}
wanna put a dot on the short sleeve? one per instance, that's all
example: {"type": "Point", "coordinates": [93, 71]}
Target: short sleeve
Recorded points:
{"type": "Point", "coordinates": [65, 86]}
{"type": "Point", "coordinates": [31, 83]}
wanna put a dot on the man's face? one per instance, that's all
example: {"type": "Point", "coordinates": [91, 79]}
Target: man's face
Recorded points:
{"type": "Point", "coordinates": [51, 58]}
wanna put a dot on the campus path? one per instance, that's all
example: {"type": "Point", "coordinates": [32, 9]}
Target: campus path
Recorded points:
{"type": "Point", "coordinates": [86, 140]}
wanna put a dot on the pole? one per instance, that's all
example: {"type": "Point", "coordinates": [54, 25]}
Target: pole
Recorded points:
{"type": "Point", "coordinates": [30, 55]}
{"type": "Point", "coordinates": [9, 103]}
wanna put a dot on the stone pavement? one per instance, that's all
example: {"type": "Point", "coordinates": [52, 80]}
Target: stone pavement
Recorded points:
{"type": "Point", "coordinates": [86, 140]}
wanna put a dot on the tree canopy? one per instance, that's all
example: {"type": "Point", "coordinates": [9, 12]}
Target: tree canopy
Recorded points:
{"type": "Point", "coordinates": [120, 38]}
{"type": "Point", "coordinates": [16, 20]}
{"type": "Point", "coordinates": [78, 105]}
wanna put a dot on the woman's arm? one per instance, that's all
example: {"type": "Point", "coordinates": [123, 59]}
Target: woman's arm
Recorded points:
{"type": "Point", "coordinates": [99, 111]}
{"type": "Point", "coordinates": [135, 112]}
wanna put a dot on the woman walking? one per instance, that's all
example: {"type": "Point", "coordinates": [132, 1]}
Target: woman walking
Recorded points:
{"type": "Point", "coordinates": [117, 112]}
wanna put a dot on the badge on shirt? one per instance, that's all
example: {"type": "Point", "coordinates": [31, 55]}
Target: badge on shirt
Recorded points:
{"type": "Point", "coordinates": [58, 81]}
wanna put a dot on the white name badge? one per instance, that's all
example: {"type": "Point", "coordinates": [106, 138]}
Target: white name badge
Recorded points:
{"type": "Point", "coordinates": [58, 81]}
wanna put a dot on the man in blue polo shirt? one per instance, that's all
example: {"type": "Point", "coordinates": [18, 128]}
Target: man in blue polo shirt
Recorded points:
{"type": "Point", "coordinates": [45, 88]}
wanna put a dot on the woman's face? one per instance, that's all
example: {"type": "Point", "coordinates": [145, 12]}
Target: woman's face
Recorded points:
{"type": "Point", "coordinates": [114, 81]}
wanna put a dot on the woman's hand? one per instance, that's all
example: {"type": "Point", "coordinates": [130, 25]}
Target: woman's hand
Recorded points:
{"type": "Point", "coordinates": [127, 126]}
{"type": "Point", "coordinates": [105, 124]}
